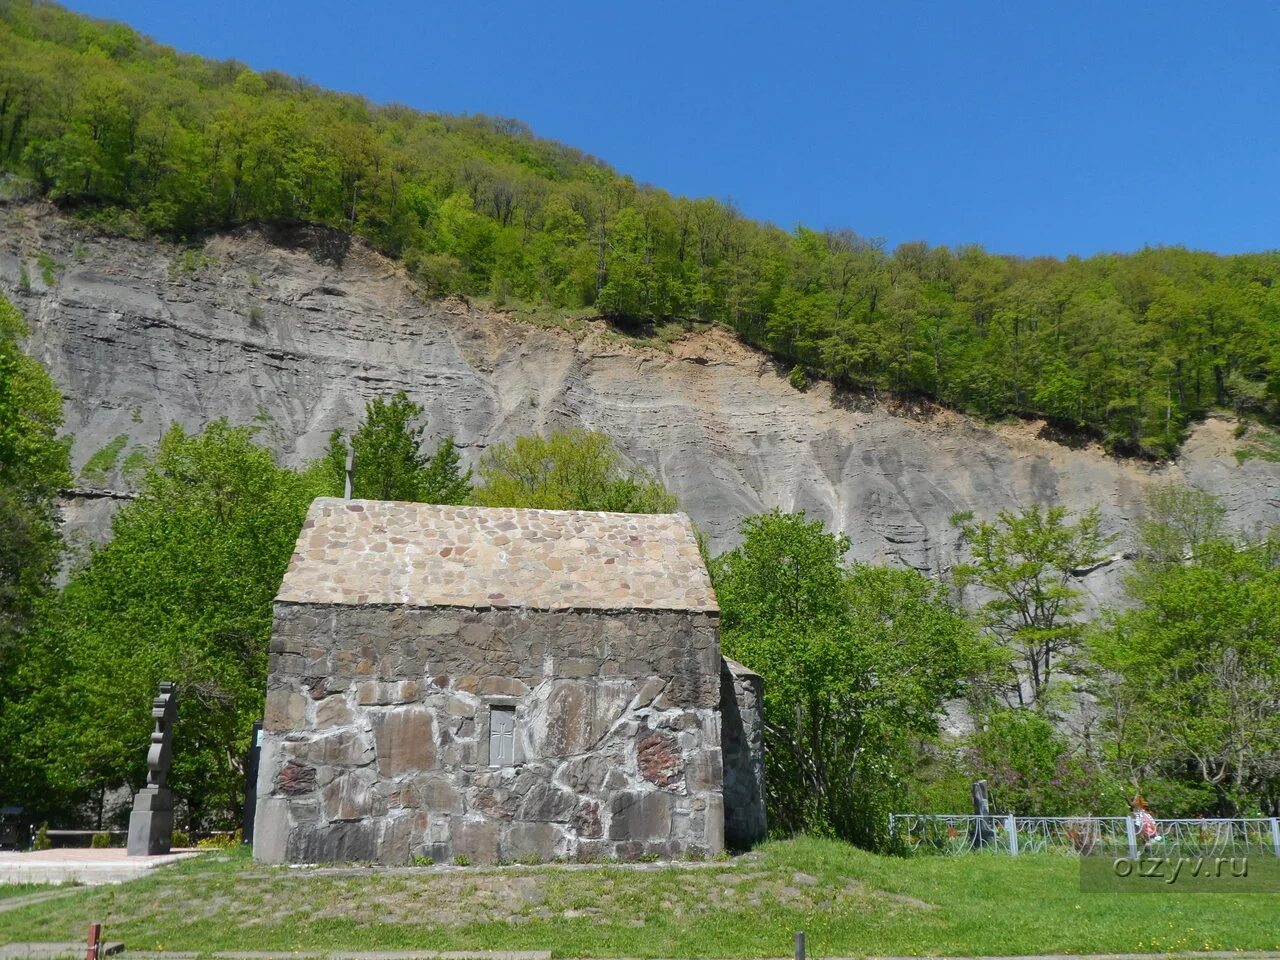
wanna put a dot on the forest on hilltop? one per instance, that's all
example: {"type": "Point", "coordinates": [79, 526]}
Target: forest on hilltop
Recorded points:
{"type": "Point", "coordinates": [133, 136]}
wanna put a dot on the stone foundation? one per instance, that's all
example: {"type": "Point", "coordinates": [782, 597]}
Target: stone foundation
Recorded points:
{"type": "Point", "coordinates": [377, 735]}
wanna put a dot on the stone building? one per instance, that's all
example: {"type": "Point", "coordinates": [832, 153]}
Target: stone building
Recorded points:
{"type": "Point", "coordinates": [501, 684]}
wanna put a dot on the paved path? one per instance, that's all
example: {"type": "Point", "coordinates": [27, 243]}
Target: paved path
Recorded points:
{"type": "Point", "coordinates": [81, 865]}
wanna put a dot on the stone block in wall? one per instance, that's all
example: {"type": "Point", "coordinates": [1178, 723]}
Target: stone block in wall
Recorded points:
{"type": "Point", "coordinates": [333, 711]}
{"type": "Point", "coordinates": [530, 839]}
{"type": "Point", "coordinates": [341, 747]}
{"type": "Point", "coordinates": [546, 802]}
{"type": "Point", "coordinates": [271, 829]}
{"type": "Point", "coordinates": [395, 839]}
{"type": "Point", "coordinates": [704, 770]}
{"type": "Point", "coordinates": [585, 774]}
{"type": "Point", "coordinates": [586, 820]}
{"type": "Point", "coordinates": [475, 838]}
{"type": "Point", "coordinates": [659, 759]}
{"type": "Point", "coordinates": [638, 816]}
{"type": "Point", "coordinates": [347, 797]}
{"type": "Point", "coordinates": [405, 740]}
{"type": "Point", "coordinates": [571, 716]}
{"type": "Point", "coordinates": [437, 795]}
{"type": "Point", "coordinates": [295, 778]}
{"type": "Point", "coordinates": [286, 710]}
{"type": "Point", "coordinates": [334, 842]}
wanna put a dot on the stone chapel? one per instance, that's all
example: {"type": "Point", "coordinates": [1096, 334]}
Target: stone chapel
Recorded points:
{"type": "Point", "coordinates": [502, 684]}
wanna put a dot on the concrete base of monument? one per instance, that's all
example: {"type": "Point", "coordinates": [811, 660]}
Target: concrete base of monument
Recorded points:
{"type": "Point", "coordinates": [79, 865]}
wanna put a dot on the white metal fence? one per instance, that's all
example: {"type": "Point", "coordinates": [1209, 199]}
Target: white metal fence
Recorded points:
{"type": "Point", "coordinates": [1011, 835]}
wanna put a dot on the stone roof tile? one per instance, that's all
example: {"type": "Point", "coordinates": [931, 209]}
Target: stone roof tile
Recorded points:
{"type": "Point", "coordinates": [418, 554]}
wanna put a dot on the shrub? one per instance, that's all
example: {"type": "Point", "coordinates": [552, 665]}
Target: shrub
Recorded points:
{"type": "Point", "coordinates": [42, 841]}
{"type": "Point", "coordinates": [179, 839]}
{"type": "Point", "coordinates": [49, 268]}
{"type": "Point", "coordinates": [100, 840]}
{"type": "Point", "coordinates": [219, 841]}
{"type": "Point", "coordinates": [462, 860]}
{"type": "Point", "coordinates": [422, 860]}
{"type": "Point", "coordinates": [798, 378]}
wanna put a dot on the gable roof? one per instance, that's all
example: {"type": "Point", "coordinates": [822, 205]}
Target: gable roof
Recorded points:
{"type": "Point", "coordinates": [422, 555]}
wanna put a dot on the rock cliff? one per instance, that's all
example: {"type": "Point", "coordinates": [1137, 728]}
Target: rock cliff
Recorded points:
{"type": "Point", "coordinates": [294, 328]}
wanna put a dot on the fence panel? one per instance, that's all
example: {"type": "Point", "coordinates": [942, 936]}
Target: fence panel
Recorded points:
{"type": "Point", "coordinates": [952, 834]}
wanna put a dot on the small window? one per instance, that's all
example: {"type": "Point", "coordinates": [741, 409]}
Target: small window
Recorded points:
{"type": "Point", "coordinates": [502, 736]}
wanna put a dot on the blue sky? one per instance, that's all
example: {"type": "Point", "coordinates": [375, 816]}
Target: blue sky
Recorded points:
{"type": "Point", "coordinates": [1032, 128]}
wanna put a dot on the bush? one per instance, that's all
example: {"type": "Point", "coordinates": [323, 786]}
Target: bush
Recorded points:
{"type": "Point", "coordinates": [462, 860]}
{"type": "Point", "coordinates": [180, 839]}
{"type": "Point", "coordinates": [1033, 771]}
{"type": "Point", "coordinates": [219, 841]}
{"type": "Point", "coordinates": [422, 860]}
{"type": "Point", "coordinates": [42, 841]}
{"type": "Point", "coordinates": [100, 840]}
{"type": "Point", "coordinates": [798, 378]}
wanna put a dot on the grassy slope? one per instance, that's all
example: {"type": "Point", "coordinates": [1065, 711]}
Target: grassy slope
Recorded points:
{"type": "Point", "coordinates": [849, 901]}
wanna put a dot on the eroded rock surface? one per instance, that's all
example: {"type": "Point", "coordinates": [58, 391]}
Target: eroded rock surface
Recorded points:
{"type": "Point", "coordinates": [294, 329]}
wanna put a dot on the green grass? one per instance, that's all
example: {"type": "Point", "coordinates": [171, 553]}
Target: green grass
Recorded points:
{"type": "Point", "coordinates": [99, 466]}
{"type": "Point", "coordinates": [19, 889]}
{"type": "Point", "coordinates": [49, 268]}
{"type": "Point", "coordinates": [1262, 443]}
{"type": "Point", "coordinates": [850, 903]}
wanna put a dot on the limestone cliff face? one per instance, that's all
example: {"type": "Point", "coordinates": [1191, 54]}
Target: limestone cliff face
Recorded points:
{"type": "Point", "coordinates": [294, 329]}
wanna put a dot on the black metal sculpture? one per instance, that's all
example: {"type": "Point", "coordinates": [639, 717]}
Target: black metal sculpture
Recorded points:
{"type": "Point", "coordinates": [984, 832]}
{"type": "Point", "coordinates": [151, 823]}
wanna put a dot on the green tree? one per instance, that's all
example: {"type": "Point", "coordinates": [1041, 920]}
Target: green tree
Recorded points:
{"type": "Point", "coordinates": [1033, 770]}
{"type": "Point", "coordinates": [569, 470]}
{"type": "Point", "coordinates": [183, 592]}
{"type": "Point", "coordinates": [856, 662]}
{"type": "Point", "coordinates": [1190, 673]}
{"type": "Point", "coordinates": [33, 466]}
{"type": "Point", "coordinates": [389, 462]}
{"type": "Point", "coordinates": [1024, 564]}
{"type": "Point", "coordinates": [1179, 520]}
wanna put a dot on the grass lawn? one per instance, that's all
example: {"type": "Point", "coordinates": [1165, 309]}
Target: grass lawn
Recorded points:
{"type": "Point", "coordinates": [20, 889]}
{"type": "Point", "coordinates": [850, 903]}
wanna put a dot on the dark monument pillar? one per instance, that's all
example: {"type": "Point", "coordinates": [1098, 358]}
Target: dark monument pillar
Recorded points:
{"type": "Point", "coordinates": [251, 781]}
{"type": "Point", "coordinates": [151, 823]}
{"type": "Point", "coordinates": [983, 832]}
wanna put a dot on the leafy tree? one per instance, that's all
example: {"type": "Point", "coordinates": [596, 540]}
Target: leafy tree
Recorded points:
{"type": "Point", "coordinates": [1179, 520]}
{"type": "Point", "coordinates": [1023, 564]}
{"type": "Point", "coordinates": [182, 592]}
{"type": "Point", "coordinates": [1190, 674]}
{"type": "Point", "coordinates": [856, 661]}
{"type": "Point", "coordinates": [569, 470]}
{"type": "Point", "coordinates": [1033, 770]}
{"type": "Point", "coordinates": [33, 466]}
{"type": "Point", "coordinates": [389, 462]}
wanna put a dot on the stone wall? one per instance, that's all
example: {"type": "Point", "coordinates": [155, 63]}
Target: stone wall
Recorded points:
{"type": "Point", "coordinates": [742, 739]}
{"type": "Point", "coordinates": [376, 735]}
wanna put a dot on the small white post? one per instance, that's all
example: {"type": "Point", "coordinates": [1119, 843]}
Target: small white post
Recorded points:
{"type": "Point", "coordinates": [1132, 837]}
{"type": "Point", "coordinates": [1012, 827]}
{"type": "Point", "coordinates": [350, 466]}
{"type": "Point", "coordinates": [1275, 836]}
